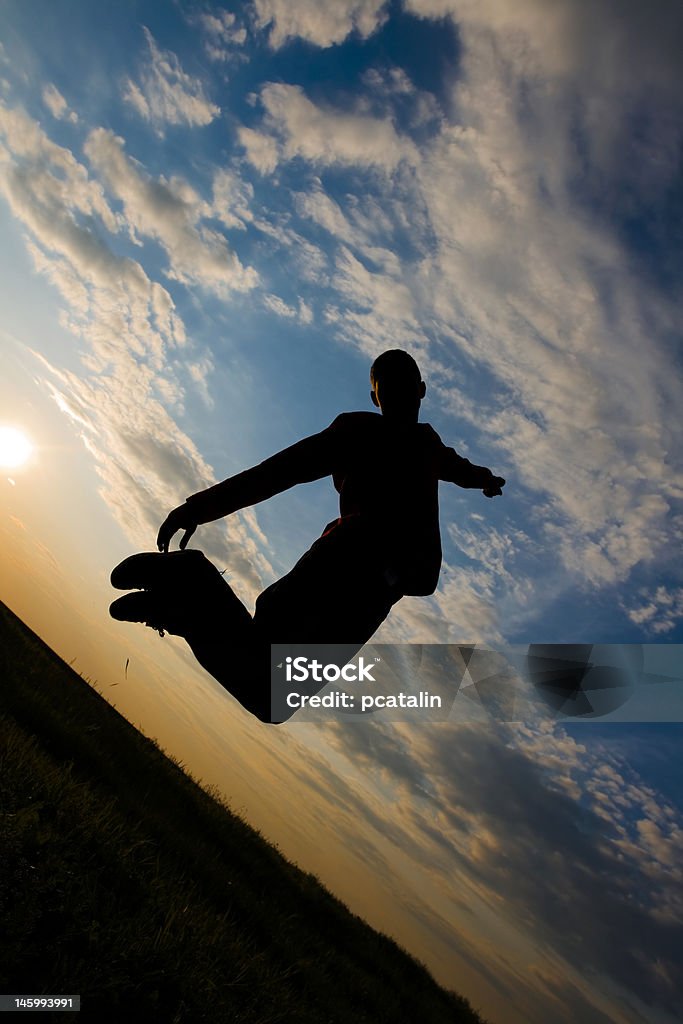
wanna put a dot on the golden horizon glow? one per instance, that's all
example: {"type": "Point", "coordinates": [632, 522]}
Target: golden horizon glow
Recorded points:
{"type": "Point", "coordinates": [15, 448]}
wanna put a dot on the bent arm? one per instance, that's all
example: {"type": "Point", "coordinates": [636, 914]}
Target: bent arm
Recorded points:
{"type": "Point", "coordinates": [307, 460]}
{"type": "Point", "coordinates": [457, 470]}
{"type": "Point", "coordinates": [304, 461]}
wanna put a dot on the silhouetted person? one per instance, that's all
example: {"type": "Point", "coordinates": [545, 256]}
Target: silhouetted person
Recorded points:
{"type": "Point", "coordinates": [384, 545]}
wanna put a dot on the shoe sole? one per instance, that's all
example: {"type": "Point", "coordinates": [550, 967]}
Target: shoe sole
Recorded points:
{"type": "Point", "coordinates": [152, 569]}
{"type": "Point", "coordinates": [142, 607]}
{"type": "Point", "coordinates": [131, 608]}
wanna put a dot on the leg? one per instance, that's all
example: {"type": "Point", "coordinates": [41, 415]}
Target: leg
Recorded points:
{"type": "Point", "coordinates": [242, 669]}
{"type": "Point", "coordinates": [336, 594]}
{"type": "Point", "coordinates": [187, 596]}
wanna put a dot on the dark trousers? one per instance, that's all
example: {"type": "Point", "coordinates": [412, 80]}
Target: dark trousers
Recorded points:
{"type": "Point", "coordinates": [337, 593]}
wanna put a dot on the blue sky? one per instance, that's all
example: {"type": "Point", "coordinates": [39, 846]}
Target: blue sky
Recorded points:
{"type": "Point", "coordinates": [213, 218]}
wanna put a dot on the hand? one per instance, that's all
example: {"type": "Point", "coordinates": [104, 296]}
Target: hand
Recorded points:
{"type": "Point", "coordinates": [179, 519]}
{"type": "Point", "coordinates": [495, 487]}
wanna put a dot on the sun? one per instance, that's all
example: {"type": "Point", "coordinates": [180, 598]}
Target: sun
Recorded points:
{"type": "Point", "coordinates": [15, 448]}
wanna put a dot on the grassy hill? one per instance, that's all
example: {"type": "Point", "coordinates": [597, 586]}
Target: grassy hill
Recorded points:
{"type": "Point", "coordinates": [127, 883]}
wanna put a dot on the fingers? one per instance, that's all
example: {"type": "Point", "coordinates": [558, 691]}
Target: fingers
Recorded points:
{"type": "Point", "coordinates": [176, 520]}
{"type": "Point", "coordinates": [168, 528]}
{"type": "Point", "coordinates": [163, 538]}
{"type": "Point", "coordinates": [186, 536]}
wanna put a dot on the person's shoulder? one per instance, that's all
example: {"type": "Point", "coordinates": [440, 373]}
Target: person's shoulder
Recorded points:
{"type": "Point", "coordinates": [356, 420]}
{"type": "Point", "coordinates": [428, 434]}
{"type": "Point", "coordinates": [359, 417]}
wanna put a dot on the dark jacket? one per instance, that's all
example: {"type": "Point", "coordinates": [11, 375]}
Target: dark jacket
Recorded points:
{"type": "Point", "coordinates": [385, 473]}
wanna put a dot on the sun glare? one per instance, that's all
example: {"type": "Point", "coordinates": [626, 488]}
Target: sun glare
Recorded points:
{"type": "Point", "coordinates": [15, 448]}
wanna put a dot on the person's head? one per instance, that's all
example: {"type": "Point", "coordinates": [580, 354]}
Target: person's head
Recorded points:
{"type": "Point", "coordinates": [397, 387]}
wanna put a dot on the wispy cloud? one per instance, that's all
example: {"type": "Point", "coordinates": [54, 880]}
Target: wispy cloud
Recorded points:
{"type": "Point", "coordinates": [224, 36]}
{"type": "Point", "coordinates": [171, 212]}
{"type": "Point", "coordinates": [165, 94]}
{"type": "Point", "coordinates": [57, 105]}
{"type": "Point", "coordinates": [302, 312]}
{"type": "Point", "coordinates": [658, 610]}
{"type": "Point", "coordinates": [321, 22]}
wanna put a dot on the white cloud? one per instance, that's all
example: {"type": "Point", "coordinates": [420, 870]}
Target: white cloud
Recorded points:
{"type": "Point", "coordinates": [361, 227]}
{"type": "Point", "coordinates": [321, 22]}
{"type": "Point", "coordinates": [310, 260]}
{"type": "Point", "coordinates": [297, 127]}
{"type": "Point", "coordinates": [659, 610]}
{"type": "Point", "coordinates": [491, 547]}
{"type": "Point", "coordinates": [200, 372]}
{"type": "Point", "coordinates": [326, 212]}
{"type": "Point", "coordinates": [464, 609]}
{"type": "Point", "coordinates": [28, 149]}
{"type": "Point", "coordinates": [172, 212]}
{"type": "Point", "coordinates": [305, 312]}
{"type": "Point", "coordinates": [57, 105]}
{"type": "Point", "coordinates": [302, 312]}
{"type": "Point", "coordinates": [232, 199]}
{"type": "Point", "coordinates": [37, 197]}
{"type": "Point", "coordinates": [378, 309]}
{"type": "Point", "coordinates": [391, 88]}
{"type": "Point", "coordinates": [223, 35]}
{"type": "Point", "coordinates": [166, 94]}
{"type": "Point", "coordinates": [465, 599]}
{"type": "Point", "coordinates": [394, 81]}
{"type": "Point", "coordinates": [261, 150]}
{"type": "Point", "coordinates": [279, 306]}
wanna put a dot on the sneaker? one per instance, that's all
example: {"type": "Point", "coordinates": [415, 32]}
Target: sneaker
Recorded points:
{"type": "Point", "coordinates": [153, 569]}
{"type": "Point", "coordinates": [150, 609]}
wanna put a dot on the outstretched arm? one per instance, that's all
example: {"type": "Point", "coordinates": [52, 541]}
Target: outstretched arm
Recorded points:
{"type": "Point", "coordinates": [458, 470]}
{"type": "Point", "coordinates": [304, 461]}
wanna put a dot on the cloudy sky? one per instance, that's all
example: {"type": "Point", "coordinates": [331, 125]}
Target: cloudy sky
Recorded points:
{"type": "Point", "coordinates": [212, 219]}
